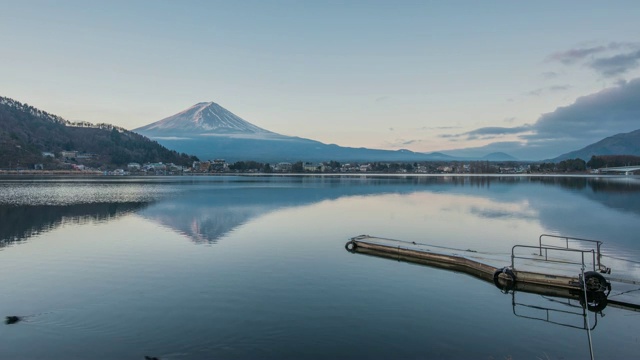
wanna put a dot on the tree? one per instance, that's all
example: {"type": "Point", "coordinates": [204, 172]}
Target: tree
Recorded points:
{"type": "Point", "coordinates": [297, 167]}
{"type": "Point", "coordinates": [596, 162]}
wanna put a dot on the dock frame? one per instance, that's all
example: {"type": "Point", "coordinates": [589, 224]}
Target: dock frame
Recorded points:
{"type": "Point", "coordinates": [510, 277]}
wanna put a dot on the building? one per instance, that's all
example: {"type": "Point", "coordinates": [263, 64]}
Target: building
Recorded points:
{"type": "Point", "coordinates": [283, 167]}
{"type": "Point", "coordinates": [133, 166]}
{"type": "Point", "coordinates": [219, 165]}
{"type": "Point", "coordinates": [310, 167]}
{"type": "Point", "coordinates": [67, 154]}
{"type": "Point", "coordinates": [86, 156]}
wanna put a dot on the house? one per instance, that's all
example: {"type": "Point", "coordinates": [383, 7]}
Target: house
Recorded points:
{"type": "Point", "coordinates": [86, 156]}
{"type": "Point", "coordinates": [219, 165]}
{"type": "Point", "coordinates": [154, 167]}
{"type": "Point", "coordinates": [349, 168]}
{"type": "Point", "coordinates": [68, 154]}
{"type": "Point", "coordinates": [174, 168]}
{"type": "Point", "coordinates": [204, 166]}
{"type": "Point", "coordinates": [310, 167]}
{"type": "Point", "coordinates": [133, 166]}
{"type": "Point", "coordinates": [283, 167]}
{"type": "Point", "coordinates": [48, 154]}
{"type": "Point", "coordinates": [365, 168]}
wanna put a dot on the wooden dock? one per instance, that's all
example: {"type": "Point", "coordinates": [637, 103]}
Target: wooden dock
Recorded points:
{"type": "Point", "coordinates": [544, 282]}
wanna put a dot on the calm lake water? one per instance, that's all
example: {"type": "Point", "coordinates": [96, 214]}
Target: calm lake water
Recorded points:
{"type": "Point", "coordinates": [255, 267]}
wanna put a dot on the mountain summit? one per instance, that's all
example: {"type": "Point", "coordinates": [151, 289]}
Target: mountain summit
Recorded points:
{"type": "Point", "coordinates": [205, 118]}
{"type": "Point", "coordinates": [210, 131]}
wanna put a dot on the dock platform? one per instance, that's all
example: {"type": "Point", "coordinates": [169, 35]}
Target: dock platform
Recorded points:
{"type": "Point", "coordinates": [554, 270]}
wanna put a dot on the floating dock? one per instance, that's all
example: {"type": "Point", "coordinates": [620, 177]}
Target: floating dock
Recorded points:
{"type": "Point", "coordinates": [555, 267]}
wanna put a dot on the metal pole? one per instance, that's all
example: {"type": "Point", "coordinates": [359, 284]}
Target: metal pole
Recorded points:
{"type": "Point", "coordinates": [586, 314]}
{"type": "Point", "coordinates": [599, 256]}
{"type": "Point", "coordinates": [540, 244]}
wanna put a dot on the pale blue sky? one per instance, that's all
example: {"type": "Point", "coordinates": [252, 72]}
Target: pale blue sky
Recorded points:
{"type": "Point", "coordinates": [421, 75]}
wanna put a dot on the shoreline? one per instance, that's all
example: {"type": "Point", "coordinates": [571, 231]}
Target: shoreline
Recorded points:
{"type": "Point", "coordinates": [76, 174]}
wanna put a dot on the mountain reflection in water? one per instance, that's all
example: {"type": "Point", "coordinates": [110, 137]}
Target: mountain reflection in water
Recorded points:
{"type": "Point", "coordinates": [19, 223]}
{"type": "Point", "coordinates": [116, 268]}
{"type": "Point", "coordinates": [209, 210]}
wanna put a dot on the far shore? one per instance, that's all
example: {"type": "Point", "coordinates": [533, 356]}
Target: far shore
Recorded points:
{"type": "Point", "coordinates": [76, 174]}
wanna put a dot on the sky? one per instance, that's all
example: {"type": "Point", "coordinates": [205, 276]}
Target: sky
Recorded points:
{"type": "Point", "coordinates": [533, 79]}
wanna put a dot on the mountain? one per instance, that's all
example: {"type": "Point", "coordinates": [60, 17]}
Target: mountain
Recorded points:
{"type": "Point", "coordinates": [620, 144]}
{"type": "Point", "coordinates": [26, 132]}
{"type": "Point", "coordinates": [499, 156]}
{"type": "Point", "coordinates": [210, 131]}
{"type": "Point", "coordinates": [202, 119]}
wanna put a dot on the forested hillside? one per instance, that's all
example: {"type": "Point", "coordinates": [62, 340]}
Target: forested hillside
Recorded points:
{"type": "Point", "coordinates": [27, 132]}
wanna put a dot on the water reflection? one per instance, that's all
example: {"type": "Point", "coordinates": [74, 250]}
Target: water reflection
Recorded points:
{"type": "Point", "coordinates": [207, 209]}
{"type": "Point", "coordinates": [278, 281]}
{"type": "Point", "coordinates": [19, 223]}
{"type": "Point", "coordinates": [557, 306]}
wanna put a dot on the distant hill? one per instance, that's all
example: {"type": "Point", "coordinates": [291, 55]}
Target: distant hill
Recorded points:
{"type": "Point", "coordinates": [26, 132]}
{"type": "Point", "coordinates": [210, 131]}
{"type": "Point", "coordinates": [499, 156]}
{"type": "Point", "coordinates": [620, 144]}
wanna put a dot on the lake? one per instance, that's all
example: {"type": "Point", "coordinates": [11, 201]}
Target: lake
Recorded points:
{"type": "Point", "coordinates": [254, 267]}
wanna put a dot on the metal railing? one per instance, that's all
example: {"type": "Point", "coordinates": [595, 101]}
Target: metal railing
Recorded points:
{"type": "Point", "coordinates": [595, 244]}
{"type": "Point", "coordinates": [547, 313]}
{"type": "Point", "coordinates": [545, 250]}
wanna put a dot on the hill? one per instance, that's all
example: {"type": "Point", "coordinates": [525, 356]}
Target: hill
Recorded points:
{"type": "Point", "coordinates": [210, 131]}
{"type": "Point", "coordinates": [499, 156]}
{"type": "Point", "coordinates": [26, 132]}
{"type": "Point", "coordinates": [620, 144]}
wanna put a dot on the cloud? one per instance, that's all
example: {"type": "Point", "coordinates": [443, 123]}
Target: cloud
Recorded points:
{"type": "Point", "coordinates": [381, 99]}
{"type": "Point", "coordinates": [498, 213]}
{"type": "Point", "coordinates": [608, 60]}
{"type": "Point", "coordinates": [609, 111]}
{"type": "Point", "coordinates": [589, 119]}
{"type": "Point", "coordinates": [548, 89]}
{"type": "Point", "coordinates": [438, 127]}
{"type": "Point", "coordinates": [573, 56]}
{"type": "Point", "coordinates": [549, 75]}
{"type": "Point", "coordinates": [617, 64]}
{"type": "Point", "coordinates": [399, 143]}
{"type": "Point", "coordinates": [489, 132]}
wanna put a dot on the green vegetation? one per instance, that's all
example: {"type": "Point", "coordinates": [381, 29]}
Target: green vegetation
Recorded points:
{"type": "Point", "coordinates": [604, 161]}
{"type": "Point", "coordinates": [26, 132]}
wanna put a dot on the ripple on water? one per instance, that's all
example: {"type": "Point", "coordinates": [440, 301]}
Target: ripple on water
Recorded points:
{"type": "Point", "coordinates": [34, 194]}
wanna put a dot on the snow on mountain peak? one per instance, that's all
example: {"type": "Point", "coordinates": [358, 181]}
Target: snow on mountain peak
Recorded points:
{"type": "Point", "coordinates": [202, 118]}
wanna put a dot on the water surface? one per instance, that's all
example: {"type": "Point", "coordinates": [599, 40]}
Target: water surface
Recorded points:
{"type": "Point", "coordinates": [255, 267]}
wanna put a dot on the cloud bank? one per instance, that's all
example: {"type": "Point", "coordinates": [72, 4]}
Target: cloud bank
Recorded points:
{"type": "Point", "coordinates": [609, 60]}
{"type": "Point", "coordinates": [589, 119]}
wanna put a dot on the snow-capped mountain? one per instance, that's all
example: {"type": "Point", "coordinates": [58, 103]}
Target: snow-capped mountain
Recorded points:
{"type": "Point", "coordinates": [210, 131]}
{"type": "Point", "coordinates": [205, 118]}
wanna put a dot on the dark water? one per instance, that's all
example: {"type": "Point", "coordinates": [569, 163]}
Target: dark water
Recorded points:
{"type": "Point", "coordinates": [255, 267]}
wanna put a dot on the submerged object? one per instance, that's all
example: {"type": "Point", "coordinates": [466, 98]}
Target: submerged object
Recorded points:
{"type": "Point", "coordinates": [12, 319]}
